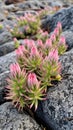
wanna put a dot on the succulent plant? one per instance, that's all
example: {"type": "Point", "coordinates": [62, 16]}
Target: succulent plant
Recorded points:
{"type": "Point", "coordinates": [37, 66]}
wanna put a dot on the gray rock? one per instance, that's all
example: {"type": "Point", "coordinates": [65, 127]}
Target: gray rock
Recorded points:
{"type": "Point", "coordinates": [10, 8]}
{"type": "Point", "coordinates": [7, 48]}
{"type": "Point", "coordinates": [57, 110]}
{"type": "Point", "coordinates": [69, 38]}
{"type": "Point", "coordinates": [34, 5]}
{"type": "Point", "coordinates": [11, 119]}
{"type": "Point", "coordinates": [68, 1]}
{"type": "Point", "coordinates": [4, 73]}
{"type": "Point", "coordinates": [65, 16]}
{"type": "Point", "coordinates": [5, 37]}
{"type": "Point", "coordinates": [3, 77]}
{"type": "Point", "coordinates": [2, 95]}
{"type": "Point", "coordinates": [6, 60]}
{"type": "Point", "coordinates": [1, 17]}
{"type": "Point", "coordinates": [55, 3]}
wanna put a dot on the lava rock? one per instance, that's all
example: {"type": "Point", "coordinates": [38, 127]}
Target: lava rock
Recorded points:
{"type": "Point", "coordinates": [2, 96]}
{"type": "Point", "coordinates": [57, 110]}
{"type": "Point", "coordinates": [10, 8]}
{"type": "Point", "coordinates": [6, 60]}
{"type": "Point", "coordinates": [65, 16]}
{"type": "Point", "coordinates": [10, 118]}
{"type": "Point", "coordinates": [34, 5]}
{"type": "Point", "coordinates": [5, 37]}
{"type": "Point", "coordinates": [69, 39]}
{"type": "Point", "coordinates": [3, 81]}
{"type": "Point", "coordinates": [8, 2]}
{"type": "Point", "coordinates": [7, 48]}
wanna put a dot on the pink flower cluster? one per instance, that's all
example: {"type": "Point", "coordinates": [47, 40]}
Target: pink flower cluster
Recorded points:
{"type": "Point", "coordinates": [37, 66]}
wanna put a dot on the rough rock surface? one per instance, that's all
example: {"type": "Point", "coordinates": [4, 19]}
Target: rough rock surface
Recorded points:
{"type": "Point", "coordinates": [69, 38]}
{"type": "Point", "coordinates": [65, 16]}
{"type": "Point", "coordinates": [11, 119]}
{"type": "Point", "coordinates": [57, 110]}
{"type": "Point", "coordinates": [6, 60]}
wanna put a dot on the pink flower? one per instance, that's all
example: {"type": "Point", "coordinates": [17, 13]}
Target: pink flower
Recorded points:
{"type": "Point", "coordinates": [39, 43]}
{"type": "Point", "coordinates": [53, 55]}
{"type": "Point", "coordinates": [15, 40]}
{"type": "Point", "coordinates": [27, 15]}
{"type": "Point", "coordinates": [45, 33]}
{"type": "Point", "coordinates": [20, 50]}
{"type": "Point", "coordinates": [40, 31]}
{"type": "Point", "coordinates": [33, 19]}
{"type": "Point", "coordinates": [32, 80]}
{"type": "Point", "coordinates": [29, 43]}
{"type": "Point", "coordinates": [56, 32]}
{"type": "Point", "coordinates": [34, 52]}
{"type": "Point", "coordinates": [53, 37]}
{"type": "Point", "coordinates": [26, 28]}
{"type": "Point", "coordinates": [15, 68]}
{"type": "Point", "coordinates": [59, 26]}
{"type": "Point", "coordinates": [21, 18]}
{"type": "Point", "coordinates": [48, 43]}
{"type": "Point", "coordinates": [17, 19]}
{"type": "Point", "coordinates": [62, 40]}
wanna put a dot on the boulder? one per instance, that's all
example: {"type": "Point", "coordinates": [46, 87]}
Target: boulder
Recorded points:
{"type": "Point", "coordinates": [69, 38]}
{"type": "Point", "coordinates": [11, 119]}
{"type": "Point", "coordinates": [57, 110]}
{"type": "Point", "coordinates": [5, 37]}
{"type": "Point", "coordinates": [65, 16]}
{"type": "Point", "coordinates": [3, 77]}
{"type": "Point", "coordinates": [7, 48]}
{"type": "Point", "coordinates": [6, 60]}
{"type": "Point", "coordinates": [7, 2]}
{"type": "Point", "coordinates": [2, 95]}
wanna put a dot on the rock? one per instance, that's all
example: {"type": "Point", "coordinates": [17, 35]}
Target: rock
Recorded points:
{"type": "Point", "coordinates": [57, 110]}
{"type": "Point", "coordinates": [65, 16]}
{"type": "Point", "coordinates": [7, 48]}
{"type": "Point", "coordinates": [5, 37]}
{"type": "Point", "coordinates": [10, 118]}
{"type": "Point", "coordinates": [3, 77]}
{"type": "Point", "coordinates": [34, 5]}
{"type": "Point", "coordinates": [2, 96]}
{"type": "Point", "coordinates": [69, 38]}
{"type": "Point", "coordinates": [19, 13]}
{"type": "Point", "coordinates": [56, 3]}
{"type": "Point", "coordinates": [10, 8]}
{"type": "Point", "coordinates": [6, 60]}
{"type": "Point", "coordinates": [1, 17]}
{"type": "Point", "coordinates": [68, 1]}
{"type": "Point", "coordinates": [7, 2]}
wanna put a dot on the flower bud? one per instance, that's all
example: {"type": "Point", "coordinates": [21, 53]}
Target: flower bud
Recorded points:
{"type": "Point", "coordinates": [34, 52]}
{"type": "Point", "coordinates": [39, 43]}
{"type": "Point", "coordinates": [32, 80]}
{"type": "Point", "coordinates": [15, 68]}
{"type": "Point", "coordinates": [56, 32]}
{"type": "Point", "coordinates": [53, 55]}
{"type": "Point", "coordinates": [59, 26]}
{"type": "Point", "coordinates": [62, 40]}
{"type": "Point", "coordinates": [20, 50]}
{"type": "Point", "coordinates": [53, 37]}
{"type": "Point", "coordinates": [48, 43]}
